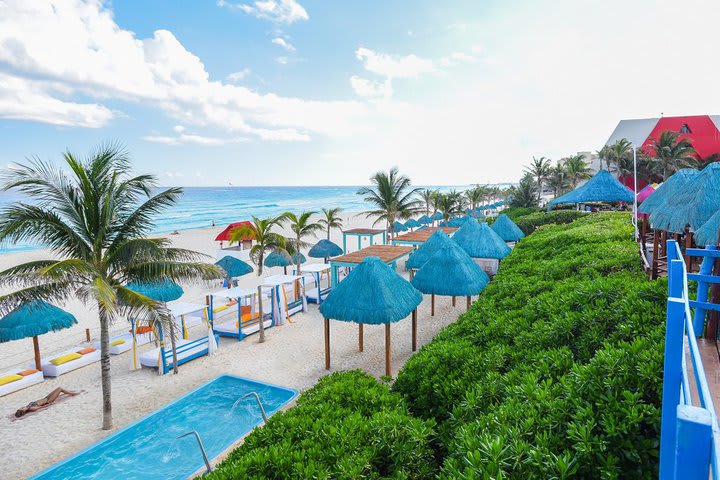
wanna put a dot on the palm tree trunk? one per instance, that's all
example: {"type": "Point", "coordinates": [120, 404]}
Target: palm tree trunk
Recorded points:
{"type": "Point", "coordinates": [105, 371]}
{"type": "Point", "coordinates": [173, 346]}
{"type": "Point", "coordinates": [297, 255]}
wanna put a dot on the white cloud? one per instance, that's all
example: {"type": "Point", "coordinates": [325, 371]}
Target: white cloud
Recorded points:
{"type": "Point", "coordinates": [235, 77]}
{"type": "Point", "coordinates": [281, 11]}
{"type": "Point", "coordinates": [77, 51]}
{"type": "Point", "coordinates": [393, 66]}
{"type": "Point", "coordinates": [283, 43]}
{"type": "Point", "coordinates": [282, 60]}
{"type": "Point", "coordinates": [463, 57]}
{"type": "Point", "coordinates": [371, 89]}
{"type": "Point", "coordinates": [183, 139]}
{"type": "Point", "coordinates": [178, 128]}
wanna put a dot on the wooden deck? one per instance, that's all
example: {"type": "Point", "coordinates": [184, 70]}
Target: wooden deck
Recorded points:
{"type": "Point", "coordinates": [421, 236]}
{"type": "Point", "coordinates": [387, 253]}
{"type": "Point", "coordinates": [711, 364]}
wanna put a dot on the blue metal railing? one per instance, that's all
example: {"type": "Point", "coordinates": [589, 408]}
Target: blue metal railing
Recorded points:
{"type": "Point", "coordinates": [690, 436]}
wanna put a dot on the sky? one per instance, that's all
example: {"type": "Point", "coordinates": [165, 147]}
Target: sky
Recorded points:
{"type": "Point", "coordinates": [311, 92]}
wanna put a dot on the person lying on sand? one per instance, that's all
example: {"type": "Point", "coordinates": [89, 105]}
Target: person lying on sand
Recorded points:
{"type": "Point", "coordinates": [44, 402]}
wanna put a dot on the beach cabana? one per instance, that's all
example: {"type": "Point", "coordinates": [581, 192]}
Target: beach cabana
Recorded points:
{"type": "Point", "coordinates": [279, 258]}
{"type": "Point", "coordinates": [602, 187]}
{"type": "Point", "coordinates": [449, 272]}
{"type": "Point", "coordinates": [284, 305]}
{"type": "Point", "coordinates": [360, 233]}
{"type": "Point", "coordinates": [693, 205]}
{"type": "Point", "coordinates": [225, 235]}
{"type": "Point", "coordinates": [325, 249]}
{"type": "Point", "coordinates": [412, 223]}
{"type": "Point", "coordinates": [233, 268]}
{"type": "Point", "coordinates": [389, 254]}
{"type": "Point", "coordinates": [31, 320]}
{"type": "Point", "coordinates": [425, 220]}
{"type": "Point", "coordinates": [374, 294]}
{"type": "Point", "coordinates": [316, 272]}
{"type": "Point", "coordinates": [507, 230]}
{"type": "Point", "coordinates": [482, 244]}
{"type": "Point", "coordinates": [241, 315]}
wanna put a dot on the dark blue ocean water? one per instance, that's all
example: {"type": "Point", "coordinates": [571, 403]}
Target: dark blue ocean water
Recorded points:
{"type": "Point", "coordinates": [200, 206]}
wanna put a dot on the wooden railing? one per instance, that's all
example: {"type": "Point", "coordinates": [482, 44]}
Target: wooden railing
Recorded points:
{"type": "Point", "coordinates": [690, 436]}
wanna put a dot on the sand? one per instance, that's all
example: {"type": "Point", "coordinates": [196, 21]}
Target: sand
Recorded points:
{"type": "Point", "coordinates": [292, 356]}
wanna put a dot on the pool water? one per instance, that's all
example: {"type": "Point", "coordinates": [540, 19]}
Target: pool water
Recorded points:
{"type": "Point", "coordinates": [149, 448]}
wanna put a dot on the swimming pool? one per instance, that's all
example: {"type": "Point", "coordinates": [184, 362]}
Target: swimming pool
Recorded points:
{"type": "Point", "coordinates": [149, 448]}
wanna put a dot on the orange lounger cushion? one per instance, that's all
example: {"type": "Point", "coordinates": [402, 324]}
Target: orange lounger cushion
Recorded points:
{"type": "Point", "coordinates": [141, 330]}
{"type": "Point", "coordinates": [25, 373]}
{"type": "Point", "coordinates": [87, 350]}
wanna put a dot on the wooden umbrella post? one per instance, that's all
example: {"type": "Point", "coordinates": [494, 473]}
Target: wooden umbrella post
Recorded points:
{"type": "Point", "coordinates": [360, 337]}
{"type": "Point", "coordinates": [387, 350]}
{"type": "Point", "coordinates": [36, 347]}
{"type": "Point", "coordinates": [468, 303]}
{"type": "Point", "coordinates": [414, 330]}
{"type": "Point", "coordinates": [453, 300]}
{"type": "Point", "coordinates": [656, 255]}
{"type": "Point", "coordinates": [327, 344]}
{"type": "Point", "coordinates": [432, 305]}
{"type": "Point", "coordinates": [688, 244]}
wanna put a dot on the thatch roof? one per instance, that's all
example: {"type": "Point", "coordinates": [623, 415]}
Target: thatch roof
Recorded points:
{"type": "Point", "coordinates": [668, 189]}
{"type": "Point", "coordinates": [427, 249]}
{"type": "Point", "coordinates": [425, 220]}
{"type": "Point", "coordinates": [399, 227]}
{"type": "Point", "coordinates": [693, 205]}
{"type": "Point", "coordinates": [708, 233]}
{"type": "Point", "coordinates": [372, 293]}
{"type": "Point", "coordinates": [278, 258]}
{"type": "Point", "coordinates": [507, 229]}
{"type": "Point", "coordinates": [412, 223]}
{"type": "Point", "coordinates": [33, 319]}
{"type": "Point", "coordinates": [234, 267]}
{"type": "Point", "coordinates": [324, 249]}
{"type": "Point", "coordinates": [450, 271]}
{"type": "Point", "coordinates": [479, 241]}
{"type": "Point", "coordinates": [602, 187]}
{"type": "Point", "coordinates": [161, 291]}
{"type": "Point", "coordinates": [437, 216]}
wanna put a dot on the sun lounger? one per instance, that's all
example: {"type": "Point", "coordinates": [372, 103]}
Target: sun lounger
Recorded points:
{"type": "Point", "coordinates": [229, 328]}
{"type": "Point", "coordinates": [186, 350]}
{"type": "Point", "coordinates": [14, 383]}
{"type": "Point", "coordinates": [123, 342]}
{"type": "Point", "coordinates": [50, 369]}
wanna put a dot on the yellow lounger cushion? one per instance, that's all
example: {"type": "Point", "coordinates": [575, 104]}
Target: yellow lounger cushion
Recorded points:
{"type": "Point", "coordinates": [117, 342]}
{"type": "Point", "coordinates": [68, 357]}
{"type": "Point", "coordinates": [10, 378]}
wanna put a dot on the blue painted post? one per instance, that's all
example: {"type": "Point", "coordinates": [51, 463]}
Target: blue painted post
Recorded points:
{"type": "Point", "coordinates": [672, 370]}
{"type": "Point", "coordinates": [372, 239]}
{"type": "Point", "coordinates": [211, 313]}
{"type": "Point", "coordinates": [359, 242]}
{"type": "Point", "coordinates": [333, 275]}
{"type": "Point", "coordinates": [344, 242]}
{"type": "Point", "coordinates": [384, 237]}
{"type": "Point", "coordinates": [239, 315]}
{"type": "Point", "coordinates": [162, 350]}
{"type": "Point", "coordinates": [694, 443]}
{"type": "Point", "coordinates": [703, 289]}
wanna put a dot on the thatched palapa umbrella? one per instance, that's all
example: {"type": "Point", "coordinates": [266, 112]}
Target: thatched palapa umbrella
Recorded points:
{"type": "Point", "coordinates": [279, 258]}
{"type": "Point", "coordinates": [425, 220]}
{"type": "Point", "coordinates": [372, 293]}
{"type": "Point", "coordinates": [602, 187]}
{"type": "Point", "coordinates": [507, 229]}
{"type": "Point", "coordinates": [233, 267]}
{"type": "Point", "coordinates": [451, 272]}
{"type": "Point", "coordinates": [418, 258]}
{"type": "Point", "coordinates": [32, 320]}
{"type": "Point", "coordinates": [412, 223]}
{"type": "Point", "coordinates": [325, 249]}
{"type": "Point", "coordinates": [481, 242]}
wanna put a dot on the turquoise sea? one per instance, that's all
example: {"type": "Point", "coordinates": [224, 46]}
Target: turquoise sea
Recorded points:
{"type": "Point", "coordinates": [201, 206]}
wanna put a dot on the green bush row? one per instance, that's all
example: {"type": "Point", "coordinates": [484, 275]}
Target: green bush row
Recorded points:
{"type": "Point", "coordinates": [556, 370]}
{"type": "Point", "coordinates": [528, 223]}
{"type": "Point", "coordinates": [516, 212]}
{"type": "Point", "coordinates": [347, 426]}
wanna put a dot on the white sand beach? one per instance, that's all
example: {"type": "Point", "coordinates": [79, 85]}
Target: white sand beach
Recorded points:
{"type": "Point", "coordinates": [292, 356]}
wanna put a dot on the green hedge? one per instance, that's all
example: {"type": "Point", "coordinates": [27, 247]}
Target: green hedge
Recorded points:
{"type": "Point", "coordinates": [347, 426]}
{"type": "Point", "coordinates": [556, 370]}
{"type": "Point", "coordinates": [528, 223]}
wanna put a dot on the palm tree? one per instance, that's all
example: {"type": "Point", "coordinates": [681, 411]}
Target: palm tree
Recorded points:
{"type": "Point", "coordinates": [474, 196]}
{"type": "Point", "coordinates": [523, 195]}
{"type": "Point", "coordinates": [558, 178]}
{"type": "Point", "coordinates": [425, 197]}
{"type": "Point", "coordinates": [620, 152]}
{"type": "Point", "coordinates": [604, 154]}
{"type": "Point", "coordinates": [449, 204]}
{"type": "Point", "coordinates": [266, 240]}
{"type": "Point", "coordinates": [577, 169]}
{"type": "Point", "coordinates": [539, 169]}
{"type": "Point", "coordinates": [671, 154]}
{"type": "Point", "coordinates": [331, 219]}
{"type": "Point", "coordinates": [302, 227]}
{"type": "Point", "coordinates": [391, 197]}
{"type": "Point", "coordinates": [94, 217]}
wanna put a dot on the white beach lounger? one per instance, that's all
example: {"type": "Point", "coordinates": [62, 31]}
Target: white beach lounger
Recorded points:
{"type": "Point", "coordinates": [229, 328]}
{"type": "Point", "coordinates": [19, 384]}
{"type": "Point", "coordinates": [186, 350]}
{"type": "Point", "coordinates": [51, 370]}
{"type": "Point", "coordinates": [141, 339]}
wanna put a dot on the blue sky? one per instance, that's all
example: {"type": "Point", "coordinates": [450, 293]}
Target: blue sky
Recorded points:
{"type": "Point", "coordinates": [296, 92]}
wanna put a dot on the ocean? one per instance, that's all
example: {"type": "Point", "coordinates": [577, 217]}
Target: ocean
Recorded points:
{"type": "Point", "coordinates": [201, 206]}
